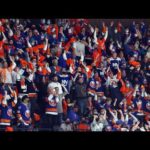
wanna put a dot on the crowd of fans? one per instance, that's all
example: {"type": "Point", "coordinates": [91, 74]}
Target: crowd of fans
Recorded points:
{"type": "Point", "coordinates": [69, 75]}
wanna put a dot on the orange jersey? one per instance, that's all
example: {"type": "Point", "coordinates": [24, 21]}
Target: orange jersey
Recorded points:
{"type": "Point", "coordinates": [101, 44]}
{"type": "Point", "coordinates": [48, 30]}
{"type": "Point", "coordinates": [128, 92]}
{"type": "Point", "coordinates": [97, 57]}
{"type": "Point", "coordinates": [89, 73]}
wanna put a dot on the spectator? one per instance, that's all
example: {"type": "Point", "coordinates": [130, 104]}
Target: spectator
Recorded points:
{"type": "Point", "coordinates": [81, 95]}
{"type": "Point", "coordinates": [70, 69]}
{"type": "Point", "coordinates": [83, 126]}
{"type": "Point", "coordinates": [66, 126]}
{"type": "Point", "coordinates": [73, 113]}
{"type": "Point", "coordinates": [7, 105]}
{"type": "Point", "coordinates": [51, 109]}
{"type": "Point", "coordinates": [24, 115]}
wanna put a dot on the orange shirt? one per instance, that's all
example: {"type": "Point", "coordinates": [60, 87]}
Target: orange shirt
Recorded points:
{"type": "Point", "coordinates": [48, 30]}
{"type": "Point", "coordinates": [89, 73]}
{"type": "Point", "coordinates": [101, 44]}
{"type": "Point", "coordinates": [128, 92]}
{"type": "Point", "coordinates": [97, 57]}
{"type": "Point", "coordinates": [83, 127]}
{"type": "Point", "coordinates": [56, 30]}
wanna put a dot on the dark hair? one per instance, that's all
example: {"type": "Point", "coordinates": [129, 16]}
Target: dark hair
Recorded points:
{"type": "Point", "coordinates": [54, 75]}
{"type": "Point", "coordinates": [24, 97]}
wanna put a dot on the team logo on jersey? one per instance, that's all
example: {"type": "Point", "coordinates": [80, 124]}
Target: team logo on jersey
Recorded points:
{"type": "Point", "coordinates": [65, 82]}
{"type": "Point", "coordinates": [148, 105]}
{"type": "Point", "coordinates": [9, 112]}
{"type": "Point", "coordinates": [52, 103]}
{"type": "Point", "coordinates": [27, 113]}
{"type": "Point", "coordinates": [92, 84]}
{"type": "Point", "coordinates": [115, 65]}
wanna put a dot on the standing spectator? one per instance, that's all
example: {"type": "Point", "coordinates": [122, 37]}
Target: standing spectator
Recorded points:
{"type": "Point", "coordinates": [24, 115]}
{"type": "Point", "coordinates": [81, 95]}
{"type": "Point", "coordinates": [55, 84]}
{"type": "Point", "coordinates": [51, 111]}
{"type": "Point", "coordinates": [7, 103]}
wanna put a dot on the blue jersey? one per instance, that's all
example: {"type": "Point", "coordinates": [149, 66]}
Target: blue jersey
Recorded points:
{"type": "Point", "coordinates": [101, 74]}
{"type": "Point", "coordinates": [65, 80]}
{"type": "Point", "coordinates": [62, 62]}
{"type": "Point", "coordinates": [51, 106]}
{"type": "Point", "coordinates": [146, 106]}
{"type": "Point", "coordinates": [91, 86]}
{"type": "Point", "coordinates": [6, 114]}
{"type": "Point", "coordinates": [24, 112]}
{"type": "Point", "coordinates": [99, 90]}
{"type": "Point", "coordinates": [73, 116]}
{"type": "Point", "coordinates": [114, 63]}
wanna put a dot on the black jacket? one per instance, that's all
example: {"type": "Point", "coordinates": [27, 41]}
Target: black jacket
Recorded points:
{"type": "Point", "coordinates": [81, 90]}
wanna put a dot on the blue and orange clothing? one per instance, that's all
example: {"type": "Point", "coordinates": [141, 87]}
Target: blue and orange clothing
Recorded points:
{"type": "Point", "coordinates": [51, 105]}
{"type": "Point", "coordinates": [114, 62]}
{"type": "Point", "coordinates": [24, 113]}
{"type": "Point", "coordinates": [6, 114]}
{"type": "Point", "coordinates": [127, 91]}
{"type": "Point", "coordinates": [99, 90]}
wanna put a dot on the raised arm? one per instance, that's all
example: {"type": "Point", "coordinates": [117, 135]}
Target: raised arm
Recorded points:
{"type": "Point", "coordinates": [4, 37]}
{"type": "Point", "coordinates": [106, 34]}
{"type": "Point", "coordinates": [95, 36]}
{"type": "Point", "coordinates": [114, 115]}
{"type": "Point", "coordinates": [134, 118]}
{"type": "Point", "coordinates": [13, 93]}
{"type": "Point", "coordinates": [10, 32]}
{"type": "Point", "coordinates": [4, 101]}
{"type": "Point", "coordinates": [46, 45]}
{"type": "Point", "coordinates": [122, 116]}
{"type": "Point", "coordinates": [28, 43]}
{"type": "Point", "coordinates": [13, 64]}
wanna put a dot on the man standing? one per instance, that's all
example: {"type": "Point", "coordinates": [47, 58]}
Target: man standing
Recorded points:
{"type": "Point", "coordinates": [24, 115]}
{"type": "Point", "coordinates": [81, 95]}
{"type": "Point", "coordinates": [51, 110]}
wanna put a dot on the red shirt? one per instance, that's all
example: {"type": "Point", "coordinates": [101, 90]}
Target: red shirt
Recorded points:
{"type": "Point", "coordinates": [1, 49]}
{"type": "Point", "coordinates": [83, 127]}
